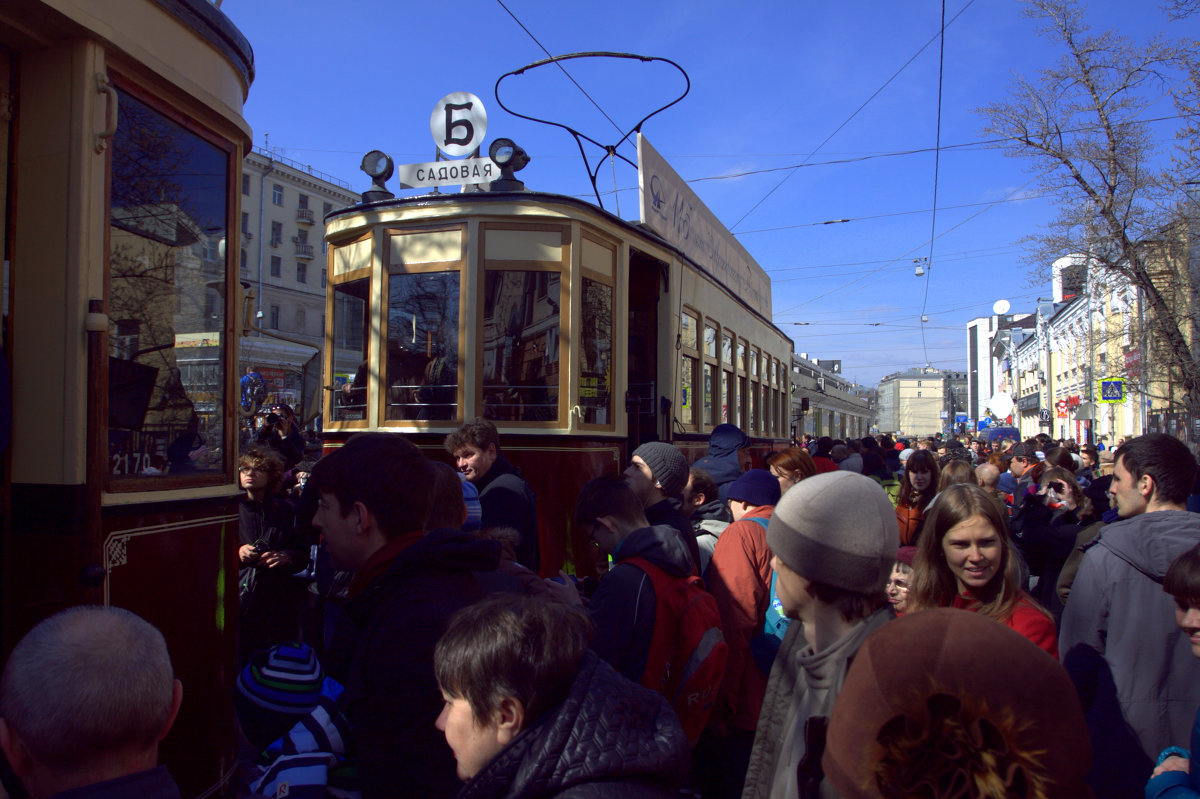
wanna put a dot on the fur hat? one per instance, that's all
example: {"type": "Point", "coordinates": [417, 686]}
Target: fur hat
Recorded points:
{"type": "Point", "coordinates": [947, 716]}
{"type": "Point", "coordinates": [755, 486]}
{"type": "Point", "coordinates": [667, 464]}
{"type": "Point", "coordinates": [837, 528]}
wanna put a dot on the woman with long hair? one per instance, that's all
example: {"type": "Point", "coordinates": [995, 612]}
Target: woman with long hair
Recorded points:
{"type": "Point", "coordinates": [965, 559]}
{"type": "Point", "coordinates": [917, 490]}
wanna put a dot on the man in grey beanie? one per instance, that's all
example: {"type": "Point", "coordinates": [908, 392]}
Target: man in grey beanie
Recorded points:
{"type": "Point", "coordinates": [657, 473]}
{"type": "Point", "coordinates": [834, 541]}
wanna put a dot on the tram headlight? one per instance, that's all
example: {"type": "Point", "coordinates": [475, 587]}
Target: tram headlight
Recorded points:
{"type": "Point", "coordinates": [509, 156]}
{"type": "Point", "coordinates": [379, 167]}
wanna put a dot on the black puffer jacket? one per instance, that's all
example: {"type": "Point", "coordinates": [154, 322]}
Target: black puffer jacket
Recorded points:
{"type": "Point", "coordinates": [609, 738]}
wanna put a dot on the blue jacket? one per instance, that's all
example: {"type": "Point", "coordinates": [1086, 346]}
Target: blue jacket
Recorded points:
{"type": "Point", "coordinates": [1178, 784]}
{"type": "Point", "coordinates": [722, 461]}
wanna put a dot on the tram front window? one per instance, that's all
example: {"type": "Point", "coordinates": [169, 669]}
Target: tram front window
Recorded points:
{"type": "Point", "coordinates": [166, 284]}
{"type": "Point", "coordinates": [422, 346]}
{"type": "Point", "coordinates": [520, 345]}
{"type": "Point", "coordinates": [595, 357]}
{"type": "Point", "coordinates": [350, 351]}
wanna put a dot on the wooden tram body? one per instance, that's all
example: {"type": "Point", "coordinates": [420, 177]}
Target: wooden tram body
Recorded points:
{"type": "Point", "coordinates": [579, 334]}
{"type": "Point", "coordinates": [121, 142]}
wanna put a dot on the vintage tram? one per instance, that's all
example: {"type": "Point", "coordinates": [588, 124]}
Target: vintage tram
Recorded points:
{"type": "Point", "coordinates": [579, 334]}
{"type": "Point", "coordinates": [121, 143]}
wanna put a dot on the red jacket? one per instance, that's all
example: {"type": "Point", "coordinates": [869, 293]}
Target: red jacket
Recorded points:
{"type": "Point", "coordinates": [739, 578]}
{"type": "Point", "coordinates": [1027, 619]}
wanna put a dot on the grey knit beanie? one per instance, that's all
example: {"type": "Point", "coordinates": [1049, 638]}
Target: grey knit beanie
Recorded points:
{"type": "Point", "coordinates": [837, 528]}
{"type": "Point", "coordinates": [667, 464]}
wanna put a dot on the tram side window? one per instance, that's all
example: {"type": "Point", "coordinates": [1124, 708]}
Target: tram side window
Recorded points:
{"type": "Point", "coordinates": [167, 279]}
{"type": "Point", "coordinates": [595, 357]}
{"type": "Point", "coordinates": [422, 346]}
{"type": "Point", "coordinates": [350, 328]}
{"type": "Point", "coordinates": [711, 400]}
{"type": "Point", "coordinates": [689, 375]}
{"type": "Point", "coordinates": [520, 345]}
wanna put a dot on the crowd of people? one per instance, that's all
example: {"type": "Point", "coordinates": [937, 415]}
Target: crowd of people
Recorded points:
{"type": "Point", "coordinates": [862, 618]}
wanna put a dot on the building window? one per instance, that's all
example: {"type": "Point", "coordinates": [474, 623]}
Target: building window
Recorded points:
{"type": "Point", "coordinates": [276, 266]}
{"type": "Point", "coordinates": [322, 278]}
{"type": "Point", "coordinates": [245, 222]}
{"type": "Point", "coordinates": [277, 194]}
{"type": "Point", "coordinates": [274, 324]}
{"type": "Point", "coordinates": [301, 273]}
{"type": "Point", "coordinates": [327, 208]}
{"type": "Point", "coordinates": [246, 185]}
{"type": "Point", "coordinates": [302, 202]}
{"type": "Point", "coordinates": [300, 321]}
{"type": "Point", "coordinates": [276, 233]}
{"type": "Point", "coordinates": [302, 236]}
{"type": "Point", "coordinates": [243, 262]}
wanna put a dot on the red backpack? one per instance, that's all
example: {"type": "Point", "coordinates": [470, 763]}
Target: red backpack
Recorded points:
{"type": "Point", "coordinates": [688, 651]}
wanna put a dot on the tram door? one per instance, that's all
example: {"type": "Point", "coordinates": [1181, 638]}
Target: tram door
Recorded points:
{"type": "Point", "coordinates": [641, 395]}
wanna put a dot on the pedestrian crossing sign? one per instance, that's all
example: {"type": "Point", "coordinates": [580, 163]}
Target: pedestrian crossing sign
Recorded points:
{"type": "Point", "coordinates": [1112, 390]}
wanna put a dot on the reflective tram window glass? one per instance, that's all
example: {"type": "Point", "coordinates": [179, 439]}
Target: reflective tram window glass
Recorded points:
{"type": "Point", "coordinates": [710, 341]}
{"type": "Point", "coordinates": [422, 346]}
{"type": "Point", "coordinates": [726, 349]}
{"type": "Point", "coordinates": [710, 385]}
{"type": "Point", "coordinates": [595, 356]}
{"type": "Point", "coordinates": [520, 345]}
{"type": "Point", "coordinates": [726, 399]}
{"type": "Point", "coordinates": [166, 302]}
{"type": "Point", "coordinates": [350, 351]}
{"type": "Point", "coordinates": [754, 364]}
{"type": "Point", "coordinates": [751, 405]}
{"type": "Point", "coordinates": [687, 330]}
{"type": "Point", "coordinates": [741, 357]}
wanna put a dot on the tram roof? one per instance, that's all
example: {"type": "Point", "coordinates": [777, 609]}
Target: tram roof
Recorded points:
{"type": "Point", "coordinates": [539, 197]}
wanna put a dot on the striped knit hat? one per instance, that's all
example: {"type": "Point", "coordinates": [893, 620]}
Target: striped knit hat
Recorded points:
{"type": "Point", "coordinates": [277, 687]}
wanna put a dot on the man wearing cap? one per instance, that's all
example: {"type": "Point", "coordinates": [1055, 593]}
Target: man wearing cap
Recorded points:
{"type": "Point", "coordinates": [834, 539]}
{"type": "Point", "coordinates": [657, 473]}
{"type": "Point", "coordinates": [1024, 456]}
{"type": "Point", "coordinates": [739, 578]}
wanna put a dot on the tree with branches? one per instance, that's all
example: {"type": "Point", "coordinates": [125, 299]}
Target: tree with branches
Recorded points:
{"type": "Point", "coordinates": [1084, 126]}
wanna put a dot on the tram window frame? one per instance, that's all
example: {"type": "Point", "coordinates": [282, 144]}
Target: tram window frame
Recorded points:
{"type": "Point", "coordinates": [563, 332]}
{"type": "Point", "coordinates": [589, 240]}
{"type": "Point", "coordinates": [710, 376]}
{"type": "Point", "coordinates": [329, 330]}
{"type": "Point", "coordinates": [98, 422]}
{"type": "Point", "coordinates": [456, 266]}
{"type": "Point", "coordinates": [690, 366]}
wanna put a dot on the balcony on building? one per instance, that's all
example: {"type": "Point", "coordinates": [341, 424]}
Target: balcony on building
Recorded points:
{"type": "Point", "coordinates": [304, 250]}
{"type": "Point", "coordinates": [304, 215]}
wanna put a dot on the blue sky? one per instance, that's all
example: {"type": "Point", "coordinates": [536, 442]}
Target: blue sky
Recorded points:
{"type": "Point", "coordinates": [771, 83]}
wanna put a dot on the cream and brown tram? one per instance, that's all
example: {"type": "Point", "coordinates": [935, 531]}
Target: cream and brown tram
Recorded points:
{"type": "Point", "coordinates": [579, 334]}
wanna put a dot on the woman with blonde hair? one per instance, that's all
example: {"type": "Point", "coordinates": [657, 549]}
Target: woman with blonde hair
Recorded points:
{"type": "Point", "coordinates": [965, 559]}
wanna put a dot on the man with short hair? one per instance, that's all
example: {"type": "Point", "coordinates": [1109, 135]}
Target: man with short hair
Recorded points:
{"type": "Point", "coordinates": [506, 499]}
{"type": "Point", "coordinates": [657, 473]}
{"type": "Point", "coordinates": [834, 542]}
{"type": "Point", "coordinates": [822, 456]}
{"type": "Point", "coordinates": [624, 607]}
{"type": "Point", "coordinates": [1136, 677]}
{"type": "Point", "coordinates": [709, 516]}
{"type": "Point", "coordinates": [85, 699]}
{"type": "Point", "coordinates": [376, 494]}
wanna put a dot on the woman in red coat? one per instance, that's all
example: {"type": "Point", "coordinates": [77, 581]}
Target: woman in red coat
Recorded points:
{"type": "Point", "coordinates": [966, 559]}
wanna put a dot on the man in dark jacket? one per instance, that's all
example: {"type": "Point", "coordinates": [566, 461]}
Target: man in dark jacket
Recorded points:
{"type": "Point", "coordinates": [723, 460]}
{"type": "Point", "coordinates": [624, 606]}
{"type": "Point", "coordinates": [540, 715]}
{"type": "Point", "coordinates": [657, 473]}
{"type": "Point", "coordinates": [1137, 680]}
{"type": "Point", "coordinates": [506, 499]}
{"type": "Point", "coordinates": [375, 497]}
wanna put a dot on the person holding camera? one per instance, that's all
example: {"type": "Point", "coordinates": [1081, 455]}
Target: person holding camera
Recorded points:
{"type": "Point", "coordinates": [1046, 528]}
{"type": "Point", "coordinates": [269, 552]}
{"type": "Point", "coordinates": [281, 432]}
